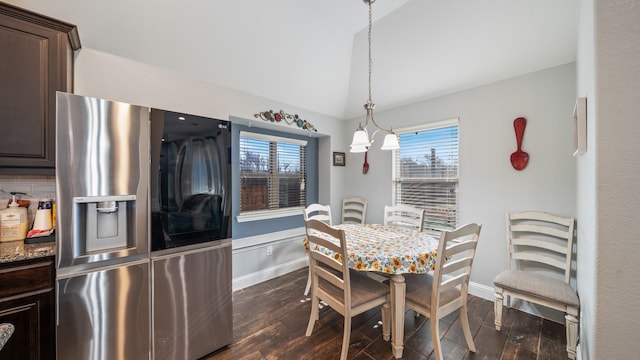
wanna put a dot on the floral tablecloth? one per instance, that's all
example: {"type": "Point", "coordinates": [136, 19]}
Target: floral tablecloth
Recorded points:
{"type": "Point", "coordinates": [388, 249]}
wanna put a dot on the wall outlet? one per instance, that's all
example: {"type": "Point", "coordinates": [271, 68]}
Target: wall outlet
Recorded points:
{"type": "Point", "coordinates": [269, 250]}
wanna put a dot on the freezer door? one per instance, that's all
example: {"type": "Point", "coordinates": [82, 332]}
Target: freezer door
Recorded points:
{"type": "Point", "coordinates": [104, 314]}
{"type": "Point", "coordinates": [192, 305]}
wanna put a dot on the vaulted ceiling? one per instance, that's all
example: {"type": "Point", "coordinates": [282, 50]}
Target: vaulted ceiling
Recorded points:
{"type": "Point", "coordinates": [313, 54]}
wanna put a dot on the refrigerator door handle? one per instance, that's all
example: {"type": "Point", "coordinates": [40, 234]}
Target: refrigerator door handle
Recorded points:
{"type": "Point", "coordinates": [98, 199]}
{"type": "Point", "coordinates": [84, 269]}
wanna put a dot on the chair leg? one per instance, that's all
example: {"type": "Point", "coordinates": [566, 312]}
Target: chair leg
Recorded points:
{"type": "Point", "coordinates": [464, 317]}
{"type": "Point", "coordinates": [315, 314]}
{"type": "Point", "coordinates": [345, 338]}
{"type": "Point", "coordinates": [497, 308]}
{"type": "Point", "coordinates": [435, 338]}
{"type": "Point", "coordinates": [386, 321]}
{"type": "Point", "coordinates": [571, 321]}
{"type": "Point", "coordinates": [306, 289]}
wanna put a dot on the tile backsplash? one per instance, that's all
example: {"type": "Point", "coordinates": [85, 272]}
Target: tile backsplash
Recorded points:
{"type": "Point", "coordinates": [35, 186]}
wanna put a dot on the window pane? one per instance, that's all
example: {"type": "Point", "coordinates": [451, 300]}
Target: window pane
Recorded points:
{"type": "Point", "coordinates": [254, 155]}
{"type": "Point", "coordinates": [254, 170]}
{"type": "Point", "coordinates": [288, 159]}
{"type": "Point", "coordinates": [426, 174]}
{"type": "Point", "coordinates": [254, 194]}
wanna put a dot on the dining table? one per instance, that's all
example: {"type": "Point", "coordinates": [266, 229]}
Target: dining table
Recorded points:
{"type": "Point", "coordinates": [393, 250]}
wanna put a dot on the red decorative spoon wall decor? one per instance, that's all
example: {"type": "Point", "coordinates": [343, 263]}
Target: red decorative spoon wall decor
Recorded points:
{"type": "Point", "coordinates": [365, 166]}
{"type": "Point", "coordinates": [519, 158]}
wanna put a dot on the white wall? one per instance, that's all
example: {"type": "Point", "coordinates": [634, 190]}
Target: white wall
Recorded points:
{"type": "Point", "coordinates": [489, 186]}
{"type": "Point", "coordinates": [608, 190]}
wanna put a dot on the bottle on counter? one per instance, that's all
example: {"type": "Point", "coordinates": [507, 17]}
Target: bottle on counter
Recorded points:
{"type": "Point", "coordinates": [14, 222]}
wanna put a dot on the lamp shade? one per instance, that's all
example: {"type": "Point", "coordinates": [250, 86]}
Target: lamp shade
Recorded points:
{"type": "Point", "coordinates": [360, 138]}
{"type": "Point", "coordinates": [390, 142]}
{"type": "Point", "coordinates": [358, 149]}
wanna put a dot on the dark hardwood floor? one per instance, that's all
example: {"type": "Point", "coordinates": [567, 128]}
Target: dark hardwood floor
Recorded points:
{"type": "Point", "coordinates": [270, 320]}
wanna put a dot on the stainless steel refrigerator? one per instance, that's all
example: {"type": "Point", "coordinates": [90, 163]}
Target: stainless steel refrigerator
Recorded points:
{"type": "Point", "coordinates": [143, 262]}
{"type": "Point", "coordinates": [102, 242]}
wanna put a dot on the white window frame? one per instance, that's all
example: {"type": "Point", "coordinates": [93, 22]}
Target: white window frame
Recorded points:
{"type": "Point", "coordinates": [428, 225]}
{"type": "Point", "coordinates": [255, 215]}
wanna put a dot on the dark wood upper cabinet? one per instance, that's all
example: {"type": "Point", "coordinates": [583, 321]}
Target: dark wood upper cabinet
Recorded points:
{"type": "Point", "coordinates": [36, 61]}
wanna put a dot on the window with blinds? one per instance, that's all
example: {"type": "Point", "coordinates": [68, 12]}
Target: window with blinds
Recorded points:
{"type": "Point", "coordinates": [425, 173]}
{"type": "Point", "coordinates": [272, 172]}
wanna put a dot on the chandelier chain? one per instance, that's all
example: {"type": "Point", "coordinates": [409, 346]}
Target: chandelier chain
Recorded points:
{"type": "Point", "coordinates": [370, 61]}
{"type": "Point", "coordinates": [361, 139]}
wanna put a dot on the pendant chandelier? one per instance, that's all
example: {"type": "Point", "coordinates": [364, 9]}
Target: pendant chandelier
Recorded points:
{"type": "Point", "coordinates": [361, 140]}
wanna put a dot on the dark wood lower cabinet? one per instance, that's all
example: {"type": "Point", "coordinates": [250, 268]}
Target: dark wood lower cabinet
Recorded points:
{"type": "Point", "coordinates": [27, 301]}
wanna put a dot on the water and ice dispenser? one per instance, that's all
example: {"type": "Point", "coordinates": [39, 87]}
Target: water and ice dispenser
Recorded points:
{"type": "Point", "coordinates": [104, 223]}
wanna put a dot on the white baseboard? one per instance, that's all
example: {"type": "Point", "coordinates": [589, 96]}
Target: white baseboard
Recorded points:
{"type": "Point", "coordinates": [481, 291]}
{"type": "Point", "coordinates": [268, 274]}
{"type": "Point", "coordinates": [487, 293]}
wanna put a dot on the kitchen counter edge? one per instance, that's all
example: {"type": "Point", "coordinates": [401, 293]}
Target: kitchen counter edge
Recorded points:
{"type": "Point", "coordinates": [11, 251]}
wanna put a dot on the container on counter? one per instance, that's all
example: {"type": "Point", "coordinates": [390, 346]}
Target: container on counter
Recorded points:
{"type": "Point", "coordinates": [14, 222]}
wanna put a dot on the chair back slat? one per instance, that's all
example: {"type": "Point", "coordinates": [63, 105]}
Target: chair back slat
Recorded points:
{"type": "Point", "coordinates": [330, 276]}
{"type": "Point", "coordinates": [453, 282]}
{"type": "Point", "coordinates": [326, 260]}
{"type": "Point", "coordinates": [455, 265]}
{"type": "Point", "coordinates": [540, 229]}
{"type": "Point", "coordinates": [321, 239]}
{"type": "Point", "coordinates": [539, 258]}
{"type": "Point", "coordinates": [458, 247]}
{"type": "Point", "coordinates": [536, 243]}
{"type": "Point", "coordinates": [542, 216]}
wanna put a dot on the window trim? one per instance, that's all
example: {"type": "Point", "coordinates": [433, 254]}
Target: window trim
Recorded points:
{"type": "Point", "coordinates": [429, 126]}
{"type": "Point", "coordinates": [267, 137]}
{"type": "Point", "coordinates": [257, 215]}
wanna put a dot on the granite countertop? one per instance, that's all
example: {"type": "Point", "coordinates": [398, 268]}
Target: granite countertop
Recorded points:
{"type": "Point", "coordinates": [6, 330]}
{"type": "Point", "coordinates": [11, 251]}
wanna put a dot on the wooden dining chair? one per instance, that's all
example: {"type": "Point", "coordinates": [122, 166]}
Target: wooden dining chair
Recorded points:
{"type": "Point", "coordinates": [438, 295]}
{"type": "Point", "coordinates": [315, 212]}
{"type": "Point", "coordinates": [540, 247]}
{"type": "Point", "coordinates": [404, 215]}
{"type": "Point", "coordinates": [354, 210]}
{"type": "Point", "coordinates": [347, 292]}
